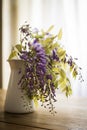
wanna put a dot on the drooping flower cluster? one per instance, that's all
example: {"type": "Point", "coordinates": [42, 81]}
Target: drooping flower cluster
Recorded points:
{"type": "Point", "coordinates": [46, 62]}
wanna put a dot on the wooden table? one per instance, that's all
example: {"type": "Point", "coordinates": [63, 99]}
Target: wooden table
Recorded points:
{"type": "Point", "coordinates": [71, 115]}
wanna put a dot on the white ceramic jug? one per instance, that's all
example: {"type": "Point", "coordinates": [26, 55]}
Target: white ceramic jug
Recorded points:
{"type": "Point", "coordinates": [16, 101]}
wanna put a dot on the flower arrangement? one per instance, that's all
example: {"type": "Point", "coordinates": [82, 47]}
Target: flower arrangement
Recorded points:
{"type": "Point", "coordinates": [46, 65]}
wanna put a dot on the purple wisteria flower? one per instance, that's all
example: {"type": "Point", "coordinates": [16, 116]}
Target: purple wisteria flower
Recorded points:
{"type": "Point", "coordinates": [54, 56]}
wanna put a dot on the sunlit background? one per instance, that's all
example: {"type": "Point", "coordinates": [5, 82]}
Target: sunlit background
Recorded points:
{"type": "Point", "coordinates": [70, 15]}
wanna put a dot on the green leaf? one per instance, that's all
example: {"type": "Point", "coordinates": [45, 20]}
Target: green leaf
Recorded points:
{"type": "Point", "coordinates": [61, 53]}
{"type": "Point", "coordinates": [55, 63]}
{"type": "Point", "coordinates": [61, 80]}
{"type": "Point", "coordinates": [62, 74]}
{"type": "Point", "coordinates": [36, 102]}
{"type": "Point", "coordinates": [66, 87]}
{"type": "Point", "coordinates": [56, 83]}
{"type": "Point", "coordinates": [60, 34]}
{"type": "Point", "coordinates": [68, 90]}
{"type": "Point", "coordinates": [50, 28]}
{"type": "Point", "coordinates": [74, 73]}
{"type": "Point", "coordinates": [63, 84]}
{"type": "Point", "coordinates": [38, 36]}
{"type": "Point", "coordinates": [56, 70]}
{"type": "Point", "coordinates": [71, 68]}
{"type": "Point", "coordinates": [18, 47]}
{"type": "Point", "coordinates": [12, 55]}
{"type": "Point", "coordinates": [48, 40]}
{"type": "Point", "coordinates": [53, 46]}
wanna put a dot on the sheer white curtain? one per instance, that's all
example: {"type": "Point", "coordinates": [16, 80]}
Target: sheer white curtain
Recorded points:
{"type": "Point", "coordinates": [70, 15]}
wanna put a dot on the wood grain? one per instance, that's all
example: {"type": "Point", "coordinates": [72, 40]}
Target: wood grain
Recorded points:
{"type": "Point", "coordinates": [7, 126]}
{"type": "Point", "coordinates": [71, 115]}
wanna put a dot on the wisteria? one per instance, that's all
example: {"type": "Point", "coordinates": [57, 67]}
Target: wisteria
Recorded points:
{"type": "Point", "coordinates": [45, 68]}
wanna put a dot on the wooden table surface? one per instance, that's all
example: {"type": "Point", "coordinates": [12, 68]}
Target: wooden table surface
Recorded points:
{"type": "Point", "coordinates": [71, 115]}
